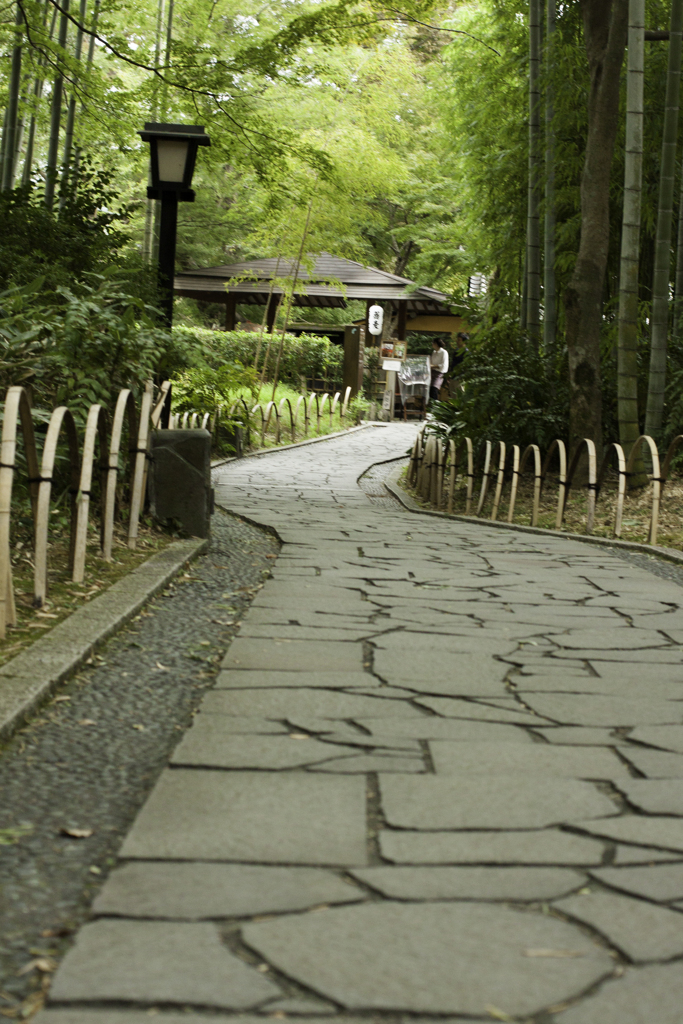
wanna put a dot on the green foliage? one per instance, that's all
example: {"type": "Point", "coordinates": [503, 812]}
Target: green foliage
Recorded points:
{"type": "Point", "coordinates": [102, 339]}
{"type": "Point", "coordinates": [371, 372]}
{"type": "Point", "coordinates": [23, 334]}
{"type": "Point", "coordinates": [507, 395]}
{"type": "Point", "coordinates": [81, 345]}
{"type": "Point", "coordinates": [206, 389]}
{"type": "Point", "coordinates": [306, 357]}
{"type": "Point", "coordinates": [358, 408]}
{"type": "Point", "coordinates": [84, 236]}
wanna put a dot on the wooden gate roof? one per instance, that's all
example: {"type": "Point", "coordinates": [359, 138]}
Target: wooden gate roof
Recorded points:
{"type": "Point", "coordinates": [326, 281]}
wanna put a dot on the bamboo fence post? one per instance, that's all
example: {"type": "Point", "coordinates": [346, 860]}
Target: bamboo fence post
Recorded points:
{"type": "Point", "coordinates": [592, 481]}
{"type": "Point", "coordinates": [514, 482]}
{"type": "Point", "coordinates": [621, 490]}
{"type": "Point", "coordinates": [562, 488]}
{"type": "Point", "coordinates": [452, 475]}
{"type": "Point", "coordinates": [484, 478]}
{"type": "Point", "coordinates": [470, 475]}
{"type": "Point", "coordinates": [17, 409]}
{"type": "Point", "coordinates": [139, 473]}
{"type": "Point", "coordinates": [61, 417]}
{"type": "Point", "coordinates": [656, 481]}
{"type": "Point", "coordinates": [125, 407]}
{"type": "Point", "coordinates": [499, 480]}
{"type": "Point", "coordinates": [97, 418]}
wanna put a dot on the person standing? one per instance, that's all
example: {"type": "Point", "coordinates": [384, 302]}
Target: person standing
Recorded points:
{"type": "Point", "coordinates": [438, 367]}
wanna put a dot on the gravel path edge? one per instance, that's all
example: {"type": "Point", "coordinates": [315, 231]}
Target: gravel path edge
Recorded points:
{"type": "Point", "coordinates": [27, 680]}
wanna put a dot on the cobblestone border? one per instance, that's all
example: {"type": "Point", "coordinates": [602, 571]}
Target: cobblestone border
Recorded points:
{"type": "Point", "coordinates": [25, 681]}
{"type": "Point", "coordinates": [393, 487]}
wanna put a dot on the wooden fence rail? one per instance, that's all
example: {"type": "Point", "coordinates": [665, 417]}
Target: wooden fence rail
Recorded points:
{"type": "Point", "coordinates": [271, 417]}
{"type": "Point", "coordinates": [98, 455]}
{"type": "Point", "coordinates": [433, 473]}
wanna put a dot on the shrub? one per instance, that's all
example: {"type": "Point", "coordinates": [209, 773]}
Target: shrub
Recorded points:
{"type": "Point", "coordinates": [306, 357]}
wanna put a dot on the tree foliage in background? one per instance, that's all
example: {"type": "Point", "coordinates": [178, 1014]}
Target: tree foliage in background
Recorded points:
{"type": "Point", "coordinates": [397, 136]}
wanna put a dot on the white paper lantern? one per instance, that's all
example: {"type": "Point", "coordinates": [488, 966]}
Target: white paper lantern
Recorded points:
{"type": "Point", "coordinates": [375, 319]}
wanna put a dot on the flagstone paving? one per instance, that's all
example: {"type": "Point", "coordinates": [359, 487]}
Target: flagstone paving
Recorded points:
{"type": "Point", "coordinates": [439, 774]}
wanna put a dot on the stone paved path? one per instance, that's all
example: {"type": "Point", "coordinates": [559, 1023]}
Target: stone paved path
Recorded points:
{"type": "Point", "coordinates": [439, 777]}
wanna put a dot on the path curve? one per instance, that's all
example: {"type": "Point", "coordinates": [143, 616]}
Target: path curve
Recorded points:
{"type": "Point", "coordinates": [461, 746]}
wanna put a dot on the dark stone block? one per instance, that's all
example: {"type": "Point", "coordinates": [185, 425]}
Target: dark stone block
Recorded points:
{"type": "Point", "coordinates": [180, 479]}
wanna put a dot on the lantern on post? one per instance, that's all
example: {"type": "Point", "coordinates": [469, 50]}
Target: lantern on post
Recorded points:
{"type": "Point", "coordinates": [173, 152]}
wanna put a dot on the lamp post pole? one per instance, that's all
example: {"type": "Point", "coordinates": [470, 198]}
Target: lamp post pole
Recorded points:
{"type": "Point", "coordinates": [167, 242]}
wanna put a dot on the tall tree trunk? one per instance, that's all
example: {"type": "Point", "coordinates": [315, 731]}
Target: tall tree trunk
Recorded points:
{"type": "Point", "coordinates": [549, 284]}
{"type": "Point", "coordinates": [662, 272]}
{"type": "Point", "coordinates": [627, 350]}
{"type": "Point", "coordinates": [148, 237]}
{"type": "Point", "coordinates": [88, 66]}
{"type": "Point", "coordinates": [10, 143]}
{"type": "Point", "coordinates": [56, 116]}
{"type": "Point", "coordinates": [533, 231]}
{"type": "Point", "coordinates": [71, 115]}
{"type": "Point", "coordinates": [37, 97]}
{"type": "Point", "coordinates": [605, 29]}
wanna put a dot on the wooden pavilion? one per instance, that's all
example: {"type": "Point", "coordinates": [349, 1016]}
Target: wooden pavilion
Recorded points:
{"type": "Point", "coordinates": [330, 282]}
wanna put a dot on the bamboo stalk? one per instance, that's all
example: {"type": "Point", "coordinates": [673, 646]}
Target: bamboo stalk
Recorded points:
{"type": "Point", "coordinates": [549, 228]}
{"type": "Point", "coordinates": [662, 269]}
{"type": "Point", "coordinates": [627, 351]}
{"type": "Point", "coordinates": [291, 294]}
{"type": "Point", "coordinates": [71, 114]}
{"type": "Point", "coordinates": [56, 115]}
{"type": "Point", "coordinates": [10, 143]}
{"type": "Point", "coordinates": [533, 245]}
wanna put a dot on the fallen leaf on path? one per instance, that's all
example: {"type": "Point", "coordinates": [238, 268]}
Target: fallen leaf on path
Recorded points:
{"type": "Point", "coordinates": [553, 952]}
{"type": "Point", "coordinates": [139, 727]}
{"type": "Point", "coordinates": [58, 699]}
{"type": "Point", "coordinates": [162, 668]}
{"type": "Point", "coordinates": [77, 833]}
{"type": "Point", "coordinates": [298, 736]}
{"type": "Point", "coordinates": [94, 870]}
{"type": "Point", "coordinates": [497, 1014]}
{"type": "Point", "coordinates": [43, 963]}
{"type": "Point", "coordinates": [87, 721]}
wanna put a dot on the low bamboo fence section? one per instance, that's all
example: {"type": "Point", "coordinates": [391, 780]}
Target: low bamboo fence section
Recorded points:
{"type": "Point", "coordinates": [286, 421]}
{"type": "Point", "coordinates": [97, 453]}
{"type": "Point", "coordinates": [434, 469]}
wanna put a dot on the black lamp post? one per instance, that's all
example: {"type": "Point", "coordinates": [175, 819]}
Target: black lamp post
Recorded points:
{"type": "Point", "coordinates": [173, 151]}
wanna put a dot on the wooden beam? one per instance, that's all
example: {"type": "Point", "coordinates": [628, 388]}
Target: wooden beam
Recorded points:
{"type": "Point", "coordinates": [272, 312]}
{"type": "Point", "coordinates": [402, 316]}
{"type": "Point", "coordinates": [230, 303]}
{"type": "Point", "coordinates": [655, 35]}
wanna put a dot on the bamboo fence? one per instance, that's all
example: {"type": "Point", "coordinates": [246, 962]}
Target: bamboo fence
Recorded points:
{"type": "Point", "coordinates": [99, 452]}
{"type": "Point", "coordinates": [433, 471]}
{"type": "Point", "coordinates": [295, 420]}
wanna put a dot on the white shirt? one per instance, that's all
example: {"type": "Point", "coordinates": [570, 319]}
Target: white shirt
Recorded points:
{"type": "Point", "coordinates": [439, 360]}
